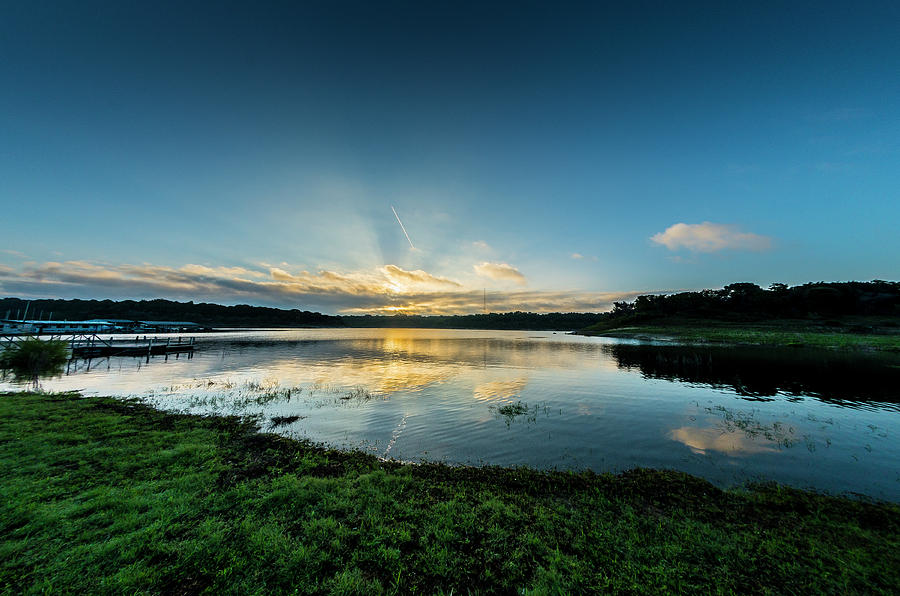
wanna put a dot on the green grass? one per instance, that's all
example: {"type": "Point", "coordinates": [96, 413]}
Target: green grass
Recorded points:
{"type": "Point", "coordinates": [103, 496]}
{"type": "Point", "coordinates": [776, 333]}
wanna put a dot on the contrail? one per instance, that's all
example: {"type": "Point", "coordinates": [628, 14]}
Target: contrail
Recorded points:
{"type": "Point", "coordinates": [402, 227]}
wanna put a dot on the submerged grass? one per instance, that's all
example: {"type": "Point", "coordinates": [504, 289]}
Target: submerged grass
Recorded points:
{"type": "Point", "coordinates": [100, 495]}
{"type": "Point", "coordinates": [519, 410]}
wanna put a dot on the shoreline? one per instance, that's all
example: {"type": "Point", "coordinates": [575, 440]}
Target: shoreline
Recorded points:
{"type": "Point", "coordinates": [104, 492]}
{"type": "Point", "coordinates": [752, 335]}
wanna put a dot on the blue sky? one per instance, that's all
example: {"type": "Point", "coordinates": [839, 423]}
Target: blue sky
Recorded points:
{"type": "Point", "coordinates": [557, 155]}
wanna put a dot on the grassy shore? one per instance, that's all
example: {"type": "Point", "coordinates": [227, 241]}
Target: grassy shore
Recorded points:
{"type": "Point", "coordinates": [103, 496]}
{"type": "Point", "coordinates": [776, 333]}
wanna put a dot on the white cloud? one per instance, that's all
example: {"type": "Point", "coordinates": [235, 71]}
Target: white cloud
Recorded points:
{"type": "Point", "coordinates": [500, 272]}
{"type": "Point", "coordinates": [577, 256]}
{"type": "Point", "coordinates": [710, 237]}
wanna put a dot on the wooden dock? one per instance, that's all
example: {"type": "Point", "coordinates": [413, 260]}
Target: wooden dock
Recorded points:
{"type": "Point", "coordinates": [146, 347]}
{"type": "Point", "coordinates": [93, 346]}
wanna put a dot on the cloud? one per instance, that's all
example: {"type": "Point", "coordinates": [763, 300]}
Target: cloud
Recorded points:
{"type": "Point", "coordinates": [501, 272]}
{"type": "Point", "coordinates": [417, 278]}
{"type": "Point", "coordinates": [387, 289]}
{"type": "Point", "coordinates": [576, 255]}
{"type": "Point", "coordinates": [222, 271]}
{"type": "Point", "coordinates": [710, 237]}
{"type": "Point", "coordinates": [481, 245]}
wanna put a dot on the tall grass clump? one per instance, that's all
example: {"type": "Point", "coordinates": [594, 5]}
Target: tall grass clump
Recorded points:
{"type": "Point", "coordinates": [33, 358]}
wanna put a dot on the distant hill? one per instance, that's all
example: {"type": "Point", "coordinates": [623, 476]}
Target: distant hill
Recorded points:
{"type": "Point", "coordinates": [209, 315]}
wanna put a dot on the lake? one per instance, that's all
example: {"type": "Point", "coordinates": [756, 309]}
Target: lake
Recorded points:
{"type": "Point", "coordinates": [808, 418]}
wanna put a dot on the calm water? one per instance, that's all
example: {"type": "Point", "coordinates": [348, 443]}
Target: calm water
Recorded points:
{"type": "Point", "coordinates": [808, 418]}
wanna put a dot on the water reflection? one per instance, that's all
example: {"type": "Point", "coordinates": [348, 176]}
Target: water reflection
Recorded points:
{"type": "Point", "coordinates": [735, 432]}
{"type": "Point", "coordinates": [704, 440]}
{"type": "Point", "coordinates": [545, 400]}
{"type": "Point", "coordinates": [502, 390]}
{"type": "Point", "coordinates": [763, 373]}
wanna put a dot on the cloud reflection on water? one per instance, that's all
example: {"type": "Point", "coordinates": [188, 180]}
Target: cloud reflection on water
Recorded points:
{"type": "Point", "coordinates": [702, 440]}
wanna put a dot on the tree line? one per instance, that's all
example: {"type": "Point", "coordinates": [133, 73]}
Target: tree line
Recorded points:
{"type": "Point", "coordinates": [206, 314]}
{"type": "Point", "coordinates": [747, 301]}
{"type": "Point", "coordinates": [737, 302]}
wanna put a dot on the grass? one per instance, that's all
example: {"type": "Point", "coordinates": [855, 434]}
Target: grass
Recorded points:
{"type": "Point", "coordinates": [103, 496]}
{"type": "Point", "coordinates": [774, 333]}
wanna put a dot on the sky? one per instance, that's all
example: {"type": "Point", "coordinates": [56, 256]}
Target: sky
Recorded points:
{"type": "Point", "coordinates": [376, 157]}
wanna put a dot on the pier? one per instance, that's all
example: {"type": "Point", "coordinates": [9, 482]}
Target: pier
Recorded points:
{"type": "Point", "coordinates": [94, 346]}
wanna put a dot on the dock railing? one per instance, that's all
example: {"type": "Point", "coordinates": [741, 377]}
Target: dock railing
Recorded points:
{"type": "Point", "coordinates": [88, 344]}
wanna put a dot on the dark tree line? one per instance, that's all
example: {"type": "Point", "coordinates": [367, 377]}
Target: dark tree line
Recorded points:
{"type": "Point", "coordinates": [215, 315]}
{"type": "Point", "coordinates": [747, 301]}
{"type": "Point", "coordinates": [211, 315]}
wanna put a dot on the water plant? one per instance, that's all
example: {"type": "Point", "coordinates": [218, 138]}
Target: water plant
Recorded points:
{"type": "Point", "coordinates": [738, 420]}
{"type": "Point", "coordinates": [511, 411]}
{"type": "Point", "coordinates": [276, 421]}
{"type": "Point", "coordinates": [359, 393]}
{"type": "Point", "coordinates": [32, 358]}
